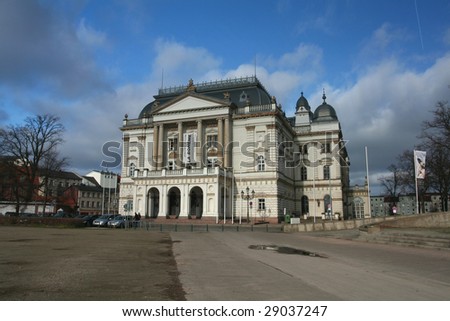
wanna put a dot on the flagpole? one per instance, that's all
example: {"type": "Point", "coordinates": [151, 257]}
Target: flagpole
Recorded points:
{"type": "Point", "coordinates": [415, 180]}
{"type": "Point", "coordinates": [225, 196]}
{"type": "Point", "coordinates": [368, 182]}
{"type": "Point", "coordinates": [314, 184]}
{"type": "Point", "coordinates": [232, 197]}
{"type": "Point", "coordinates": [417, 197]}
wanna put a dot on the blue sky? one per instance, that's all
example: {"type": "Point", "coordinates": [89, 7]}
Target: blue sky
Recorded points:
{"type": "Point", "coordinates": [384, 64]}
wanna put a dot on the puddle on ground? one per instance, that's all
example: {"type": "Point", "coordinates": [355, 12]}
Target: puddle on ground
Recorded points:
{"type": "Point", "coordinates": [286, 250]}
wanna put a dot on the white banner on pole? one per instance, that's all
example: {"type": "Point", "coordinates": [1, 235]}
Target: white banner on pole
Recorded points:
{"type": "Point", "coordinates": [419, 163]}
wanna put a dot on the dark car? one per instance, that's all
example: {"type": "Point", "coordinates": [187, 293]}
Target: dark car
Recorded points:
{"type": "Point", "coordinates": [62, 215]}
{"type": "Point", "coordinates": [88, 220]}
{"type": "Point", "coordinates": [28, 215]}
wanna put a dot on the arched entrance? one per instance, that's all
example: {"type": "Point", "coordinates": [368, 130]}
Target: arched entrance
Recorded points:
{"type": "Point", "coordinates": [196, 202]}
{"type": "Point", "coordinates": [174, 199]}
{"type": "Point", "coordinates": [153, 202]}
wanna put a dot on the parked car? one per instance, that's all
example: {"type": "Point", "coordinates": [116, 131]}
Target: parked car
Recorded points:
{"type": "Point", "coordinates": [103, 220]}
{"type": "Point", "coordinates": [28, 215]}
{"type": "Point", "coordinates": [121, 222]}
{"type": "Point", "coordinates": [62, 215]}
{"type": "Point", "coordinates": [88, 220]}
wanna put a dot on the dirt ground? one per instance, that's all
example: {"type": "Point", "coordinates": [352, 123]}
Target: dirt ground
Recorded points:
{"type": "Point", "coordinates": [87, 265]}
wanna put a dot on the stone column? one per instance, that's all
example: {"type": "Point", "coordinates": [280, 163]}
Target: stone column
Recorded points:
{"type": "Point", "coordinates": [179, 150]}
{"type": "Point", "coordinates": [126, 150]}
{"type": "Point", "coordinates": [226, 146]}
{"type": "Point", "coordinates": [154, 159]}
{"type": "Point", "coordinates": [220, 140]}
{"type": "Point", "coordinates": [160, 147]}
{"type": "Point", "coordinates": [199, 147]}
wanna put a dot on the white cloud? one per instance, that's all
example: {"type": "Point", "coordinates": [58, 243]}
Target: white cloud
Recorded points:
{"type": "Point", "coordinates": [182, 62]}
{"type": "Point", "coordinates": [385, 107]}
{"type": "Point", "coordinates": [93, 122]}
{"type": "Point", "coordinates": [89, 36]}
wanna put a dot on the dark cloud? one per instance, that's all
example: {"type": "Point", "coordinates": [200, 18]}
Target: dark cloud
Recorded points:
{"type": "Point", "coordinates": [40, 50]}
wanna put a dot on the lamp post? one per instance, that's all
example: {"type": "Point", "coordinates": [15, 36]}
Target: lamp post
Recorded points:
{"type": "Point", "coordinates": [248, 196]}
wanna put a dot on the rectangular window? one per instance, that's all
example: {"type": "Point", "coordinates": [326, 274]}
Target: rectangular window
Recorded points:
{"type": "Point", "coordinates": [326, 172]}
{"type": "Point", "coordinates": [303, 174]}
{"type": "Point", "coordinates": [261, 204]}
{"type": "Point", "coordinates": [261, 164]}
{"type": "Point", "coordinates": [171, 165]}
{"type": "Point", "coordinates": [211, 141]}
{"type": "Point", "coordinates": [325, 148]}
{"type": "Point", "coordinates": [211, 162]}
{"type": "Point", "coordinates": [173, 144]}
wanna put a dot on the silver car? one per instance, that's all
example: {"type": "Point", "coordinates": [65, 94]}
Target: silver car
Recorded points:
{"type": "Point", "coordinates": [121, 222]}
{"type": "Point", "coordinates": [103, 220]}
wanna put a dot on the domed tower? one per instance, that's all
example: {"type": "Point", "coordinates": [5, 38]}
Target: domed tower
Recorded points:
{"type": "Point", "coordinates": [303, 114]}
{"type": "Point", "coordinates": [324, 112]}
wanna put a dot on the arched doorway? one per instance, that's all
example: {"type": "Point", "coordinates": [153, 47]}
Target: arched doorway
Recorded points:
{"type": "Point", "coordinates": [196, 202]}
{"type": "Point", "coordinates": [174, 199]}
{"type": "Point", "coordinates": [153, 202]}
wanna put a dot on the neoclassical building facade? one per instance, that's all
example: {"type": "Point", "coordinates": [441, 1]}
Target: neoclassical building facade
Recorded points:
{"type": "Point", "coordinates": [225, 150]}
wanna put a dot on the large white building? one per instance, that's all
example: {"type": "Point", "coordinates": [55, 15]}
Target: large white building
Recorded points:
{"type": "Point", "coordinates": [226, 148]}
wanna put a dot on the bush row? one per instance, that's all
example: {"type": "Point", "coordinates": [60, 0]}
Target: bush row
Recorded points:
{"type": "Point", "coordinates": [41, 221]}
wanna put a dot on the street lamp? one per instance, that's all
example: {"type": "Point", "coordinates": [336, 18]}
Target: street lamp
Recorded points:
{"type": "Point", "coordinates": [247, 196]}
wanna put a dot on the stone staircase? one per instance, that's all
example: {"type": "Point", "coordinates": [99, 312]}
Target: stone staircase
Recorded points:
{"type": "Point", "coordinates": [424, 238]}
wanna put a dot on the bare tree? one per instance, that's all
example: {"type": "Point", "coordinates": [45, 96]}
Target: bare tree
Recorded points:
{"type": "Point", "coordinates": [52, 162]}
{"type": "Point", "coordinates": [32, 145]}
{"type": "Point", "coordinates": [437, 130]}
{"type": "Point", "coordinates": [436, 140]}
{"type": "Point", "coordinates": [391, 182]}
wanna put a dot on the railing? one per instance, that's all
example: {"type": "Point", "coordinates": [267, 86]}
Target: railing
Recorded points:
{"type": "Point", "coordinates": [302, 129]}
{"type": "Point", "coordinates": [195, 171]}
{"type": "Point", "coordinates": [137, 122]}
{"type": "Point", "coordinates": [174, 172]}
{"type": "Point", "coordinates": [256, 109]}
{"type": "Point", "coordinates": [210, 85]}
{"type": "Point", "coordinates": [179, 172]}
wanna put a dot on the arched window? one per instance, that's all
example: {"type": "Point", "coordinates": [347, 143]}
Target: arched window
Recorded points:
{"type": "Point", "coordinates": [261, 163]}
{"type": "Point", "coordinates": [132, 169]}
{"type": "Point", "coordinates": [303, 173]}
{"type": "Point", "coordinates": [305, 205]}
{"type": "Point", "coordinates": [358, 208]}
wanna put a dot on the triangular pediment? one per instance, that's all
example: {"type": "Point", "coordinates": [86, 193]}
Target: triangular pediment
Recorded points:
{"type": "Point", "coordinates": [189, 102]}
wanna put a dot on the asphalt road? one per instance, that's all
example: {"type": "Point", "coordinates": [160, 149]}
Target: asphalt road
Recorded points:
{"type": "Point", "coordinates": [249, 266]}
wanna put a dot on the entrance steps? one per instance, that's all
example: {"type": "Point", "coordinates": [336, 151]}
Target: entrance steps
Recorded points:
{"type": "Point", "coordinates": [413, 238]}
{"type": "Point", "coordinates": [206, 221]}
